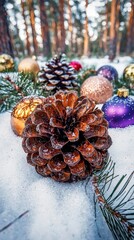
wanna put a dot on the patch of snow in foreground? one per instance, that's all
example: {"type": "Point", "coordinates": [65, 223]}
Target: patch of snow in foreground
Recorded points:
{"type": "Point", "coordinates": [57, 211]}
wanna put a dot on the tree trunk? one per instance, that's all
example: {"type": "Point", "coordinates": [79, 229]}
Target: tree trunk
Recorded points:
{"type": "Point", "coordinates": [113, 30]}
{"type": "Point", "coordinates": [55, 42]}
{"type": "Point", "coordinates": [26, 28]}
{"type": "Point", "coordinates": [5, 39]}
{"type": "Point", "coordinates": [54, 27]}
{"type": "Point", "coordinates": [70, 27]}
{"type": "Point", "coordinates": [105, 35]}
{"type": "Point", "coordinates": [118, 37]}
{"type": "Point", "coordinates": [32, 21]}
{"type": "Point", "coordinates": [86, 34]}
{"type": "Point", "coordinates": [45, 29]}
{"type": "Point", "coordinates": [62, 28]}
{"type": "Point", "coordinates": [101, 50]}
{"type": "Point", "coordinates": [130, 30]}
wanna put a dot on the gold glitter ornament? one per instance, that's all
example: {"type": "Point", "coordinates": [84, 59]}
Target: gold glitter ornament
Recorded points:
{"type": "Point", "coordinates": [128, 73]}
{"type": "Point", "coordinates": [6, 62]}
{"type": "Point", "coordinates": [97, 88]}
{"type": "Point", "coordinates": [22, 111]}
{"type": "Point", "coordinates": [29, 65]}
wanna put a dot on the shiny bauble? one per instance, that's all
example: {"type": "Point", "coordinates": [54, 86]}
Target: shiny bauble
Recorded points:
{"type": "Point", "coordinates": [22, 111]}
{"type": "Point", "coordinates": [119, 110]}
{"type": "Point", "coordinates": [97, 88]}
{"type": "Point", "coordinates": [128, 73]}
{"type": "Point", "coordinates": [28, 65]}
{"type": "Point", "coordinates": [6, 62]}
{"type": "Point", "coordinates": [108, 72]}
{"type": "Point", "coordinates": [76, 65]}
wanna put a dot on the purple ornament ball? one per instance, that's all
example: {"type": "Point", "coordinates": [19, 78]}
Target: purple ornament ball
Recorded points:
{"type": "Point", "coordinates": [108, 72]}
{"type": "Point", "coordinates": [119, 112]}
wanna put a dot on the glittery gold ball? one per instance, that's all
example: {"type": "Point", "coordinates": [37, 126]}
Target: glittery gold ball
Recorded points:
{"type": "Point", "coordinates": [28, 65]}
{"type": "Point", "coordinates": [6, 62]}
{"type": "Point", "coordinates": [129, 73]}
{"type": "Point", "coordinates": [97, 88]}
{"type": "Point", "coordinates": [22, 111]}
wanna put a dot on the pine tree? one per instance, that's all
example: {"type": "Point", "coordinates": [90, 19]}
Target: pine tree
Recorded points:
{"type": "Point", "coordinates": [26, 28]}
{"type": "Point", "coordinates": [5, 39]}
{"type": "Point", "coordinates": [45, 29]}
{"type": "Point", "coordinates": [32, 21]}
{"type": "Point", "coordinates": [62, 27]}
{"type": "Point", "coordinates": [113, 30]}
{"type": "Point", "coordinates": [130, 30]}
{"type": "Point", "coordinates": [86, 34]}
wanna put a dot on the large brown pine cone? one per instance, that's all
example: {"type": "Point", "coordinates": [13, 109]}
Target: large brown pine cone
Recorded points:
{"type": "Point", "coordinates": [66, 137]}
{"type": "Point", "coordinates": [57, 75]}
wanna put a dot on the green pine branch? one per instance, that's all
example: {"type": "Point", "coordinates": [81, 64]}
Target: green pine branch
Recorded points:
{"type": "Point", "coordinates": [13, 89]}
{"type": "Point", "coordinates": [123, 83]}
{"type": "Point", "coordinates": [86, 73]}
{"type": "Point", "coordinates": [18, 85]}
{"type": "Point", "coordinates": [116, 203]}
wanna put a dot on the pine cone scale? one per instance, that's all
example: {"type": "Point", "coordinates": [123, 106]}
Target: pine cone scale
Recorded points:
{"type": "Point", "coordinates": [46, 151]}
{"type": "Point", "coordinates": [84, 126]}
{"type": "Point", "coordinates": [29, 161]}
{"type": "Point", "coordinates": [86, 149]}
{"type": "Point", "coordinates": [58, 143]}
{"type": "Point", "coordinates": [39, 117]}
{"type": "Point", "coordinates": [73, 135]}
{"type": "Point", "coordinates": [37, 160]}
{"type": "Point", "coordinates": [71, 158]}
{"type": "Point", "coordinates": [60, 108]}
{"type": "Point", "coordinates": [30, 131]}
{"type": "Point", "coordinates": [43, 170]}
{"type": "Point", "coordinates": [78, 169]}
{"type": "Point", "coordinates": [56, 164]}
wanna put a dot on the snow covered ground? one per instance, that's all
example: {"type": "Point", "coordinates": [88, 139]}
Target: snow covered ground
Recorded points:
{"type": "Point", "coordinates": [52, 211]}
{"type": "Point", "coordinates": [119, 63]}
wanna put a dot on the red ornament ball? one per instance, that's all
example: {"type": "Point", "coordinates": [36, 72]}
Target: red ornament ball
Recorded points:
{"type": "Point", "coordinates": [76, 65]}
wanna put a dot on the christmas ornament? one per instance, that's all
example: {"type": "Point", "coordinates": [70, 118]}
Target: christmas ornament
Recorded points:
{"type": "Point", "coordinates": [76, 65]}
{"type": "Point", "coordinates": [66, 137]}
{"type": "Point", "coordinates": [6, 62]}
{"type": "Point", "coordinates": [119, 110]}
{"type": "Point", "coordinates": [28, 65]}
{"type": "Point", "coordinates": [22, 111]}
{"type": "Point", "coordinates": [128, 73]}
{"type": "Point", "coordinates": [108, 72]}
{"type": "Point", "coordinates": [97, 88]}
{"type": "Point", "coordinates": [57, 74]}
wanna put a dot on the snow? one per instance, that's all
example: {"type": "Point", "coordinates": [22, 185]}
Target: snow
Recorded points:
{"type": "Point", "coordinates": [119, 63]}
{"type": "Point", "coordinates": [12, 75]}
{"type": "Point", "coordinates": [55, 210]}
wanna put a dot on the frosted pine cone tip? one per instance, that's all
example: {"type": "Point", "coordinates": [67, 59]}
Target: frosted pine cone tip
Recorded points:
{"type": "Point", "coordinates": [58, 75]}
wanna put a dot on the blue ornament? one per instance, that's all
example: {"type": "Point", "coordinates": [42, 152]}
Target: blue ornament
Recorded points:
{"type": "Point", "coordinates": [108, 72]}
{"type": "Point", "coordinates": [119, 110]}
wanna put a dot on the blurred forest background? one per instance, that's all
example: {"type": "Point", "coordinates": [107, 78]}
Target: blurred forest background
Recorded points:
{"type": "Point", "coordinates": [77, 28]}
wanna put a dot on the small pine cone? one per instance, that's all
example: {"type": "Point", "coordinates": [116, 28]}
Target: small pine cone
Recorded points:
{"type": "Point", "coordinates": [57, 75]}
{"type": "Point", "coordinates": [66, 137]}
